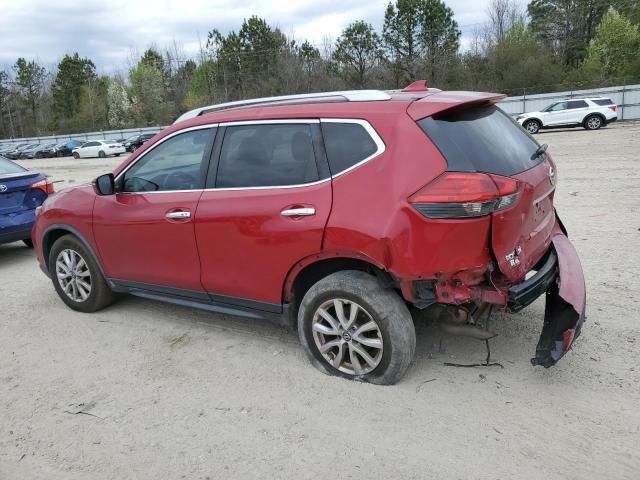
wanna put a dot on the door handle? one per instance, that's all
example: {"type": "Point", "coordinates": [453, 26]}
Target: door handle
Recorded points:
{"type": "Point", "coordinates": [178, 215]}
{"type": "Point", "coordinates": [298, 212]}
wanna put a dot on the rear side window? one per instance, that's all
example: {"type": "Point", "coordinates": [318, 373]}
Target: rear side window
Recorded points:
{"type": "Point", "coordinates": [602, 101]}
{"type": "Point", "coordinates": [577, 104]}
{"type": "Point", "coordinates": [481, 139]}
{"type": "Point", "coordinates": [267, 155]}
{"type": "Point", "coordinates": [8, 167]}
{"type": "Point", "coordinates": [346, 144]}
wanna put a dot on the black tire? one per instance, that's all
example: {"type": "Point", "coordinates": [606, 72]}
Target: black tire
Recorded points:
{"type": "Point", "coordinates": [28, 242]}
{"type": "Point", "coordinates": [532, 126]}
{"type": "Point", "coordinates": [593, 122]}
{"type": "Point", "coordinates": [100, 294]}
{"type": "Point", "coordinates": [133, 148]}
{"type": "Point", "coordinates": [76, 155]}
{"type": "Point", "coordinates": [101, 154]}
{"type": "Point", "coordinates": [60, 154]}
{"type": "Point", "coordinates": [117, 154]}
{"type": "Point", "coordinates": [386, 309]}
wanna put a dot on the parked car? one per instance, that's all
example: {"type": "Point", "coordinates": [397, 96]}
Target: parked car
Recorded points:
{"type": "Point", "coordinates": [42, 151]}
{"type": "Point", "coordinates": [589, 113]}
{"type": "Point", "coordinates": [30, 152]}
{"type": "Point", "coordinates": [135, 142]}
{"type": "Point", "coordinates": [17, 151]}
{"type": "Point", "coordinates": [335, 212]}
{"type": "Point", "coordinates": [98, 148]}
{"type": "Point", "coordinates": [21, 192]}
{"type": "Point", "coordinates": [63, 149]}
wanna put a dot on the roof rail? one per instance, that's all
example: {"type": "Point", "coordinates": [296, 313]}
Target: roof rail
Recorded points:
{"type": "Point", "coordinates": [340, 96]}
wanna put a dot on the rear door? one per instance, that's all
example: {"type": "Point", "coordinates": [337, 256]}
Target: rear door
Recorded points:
{"type": "Point", "coordinates": [265, 208]}
{"type": "Point", "coordinates": [576, 111]}
{"type": "Point", "coordinates": [484, 139]}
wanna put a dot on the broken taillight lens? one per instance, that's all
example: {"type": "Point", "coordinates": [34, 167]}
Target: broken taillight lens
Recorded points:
{"type": "Point", "coordinates": [465, 195]}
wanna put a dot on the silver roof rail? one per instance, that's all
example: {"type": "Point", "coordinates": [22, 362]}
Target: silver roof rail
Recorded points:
{"type": "Point", "coordinates": [345, 96]}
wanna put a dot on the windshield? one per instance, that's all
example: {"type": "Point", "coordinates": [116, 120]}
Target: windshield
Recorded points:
{"type": "Point", "coordinates": [8, 167]}
{"type": "Point", "coordinates": [481, 139]}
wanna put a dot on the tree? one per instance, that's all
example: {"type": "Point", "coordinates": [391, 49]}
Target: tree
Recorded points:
{"type": "Point", "coordinates": [73, 73]}
{"type": "Point", "coordinates": [357, 52]}
{"type": "Point", "coordinates": [503, 14]}
{"type": "Point", "coordinates": [118, 104]}
{"type": "Point", "coordinates": [615, 45]}
{"type": "Point", "coordinates": [567, 26]}
{"type": "Point", "coordinates": [30, 77]}
{"type": "Point", "coordinates": [4, 99]}
{"type": "Point", "coordinates": [422, 38]}
{"type": "Point", "coordinates": [147, 88]}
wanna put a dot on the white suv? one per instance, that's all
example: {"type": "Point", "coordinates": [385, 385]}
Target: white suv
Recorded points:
{"type": "Point", "coordinates": [590, 113]}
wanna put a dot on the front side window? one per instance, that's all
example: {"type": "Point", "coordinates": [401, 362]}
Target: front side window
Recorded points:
{"type": "Point", "coordinates": [347, 144]}
{"type": "Point", "coordinates": [174, 164]}
{"type": "Point", "coordinates": [558, 107]}
{"type": "Point", "coordinates": [267, 155]}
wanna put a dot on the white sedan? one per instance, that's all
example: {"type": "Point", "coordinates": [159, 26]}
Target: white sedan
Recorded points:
{"type": "Point", "coordinates": [98, 148]}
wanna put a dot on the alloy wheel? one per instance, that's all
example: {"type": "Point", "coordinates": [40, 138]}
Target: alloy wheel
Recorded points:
{"type": "Point", "coordinates": [532, 127]}
{"type": "Point", "coordinates": [73, 275]}
{"type": "Point", "coordinates": [594, 123]}
{"type": "Point", "coordinates": [347, 337]}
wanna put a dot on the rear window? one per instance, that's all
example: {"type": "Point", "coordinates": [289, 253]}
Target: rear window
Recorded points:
{"type": "Point", "coordinates": [8, 167]}
{"type": "Point", "coordinates": [346, 144]}
{"type": "Point", "coordinates": [481, 139]}
{"type": "Point", "coordinates": [602, 101]}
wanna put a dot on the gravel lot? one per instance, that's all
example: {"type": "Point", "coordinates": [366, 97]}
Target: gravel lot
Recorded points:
{"type": "Point", "coordinates": [147, 390]}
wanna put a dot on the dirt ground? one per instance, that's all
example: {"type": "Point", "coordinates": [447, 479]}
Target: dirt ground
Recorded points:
{"type": "Point", "coordinates": [146, 390]}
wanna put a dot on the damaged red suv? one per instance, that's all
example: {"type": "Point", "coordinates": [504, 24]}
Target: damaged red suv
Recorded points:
{"type": "Point", "coordinates": [334, 212]}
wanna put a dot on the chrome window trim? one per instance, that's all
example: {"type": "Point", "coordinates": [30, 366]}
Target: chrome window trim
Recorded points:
{"type": "Point", "coordinates": [381, 147]}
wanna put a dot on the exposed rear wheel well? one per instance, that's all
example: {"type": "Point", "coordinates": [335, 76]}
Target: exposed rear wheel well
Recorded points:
{"type": "Point", "coordinates": [313, 273]}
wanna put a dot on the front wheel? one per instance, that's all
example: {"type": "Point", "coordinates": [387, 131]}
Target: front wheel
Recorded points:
{"type": "Point", "coordinates": [77, 277]}
{"type": "Point", "coordinates": [76, 155]}
{"type": "Point", "coordinates": [532, 126]}
{"type": "Point", "coordinates": [353, 327]}
{"type": "Point", "coordinates": [101, 154]}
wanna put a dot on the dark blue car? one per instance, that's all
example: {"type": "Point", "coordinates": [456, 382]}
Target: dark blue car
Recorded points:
{"type": "Point", "coordinates": [21, 192]}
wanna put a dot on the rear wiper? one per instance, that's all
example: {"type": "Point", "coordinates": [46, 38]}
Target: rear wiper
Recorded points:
{"type": "Point", "coordinates": [539, 151]}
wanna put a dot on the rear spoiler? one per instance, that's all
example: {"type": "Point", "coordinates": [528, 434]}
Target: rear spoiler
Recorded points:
{"type": "Point", "coordinates": [443, 101]}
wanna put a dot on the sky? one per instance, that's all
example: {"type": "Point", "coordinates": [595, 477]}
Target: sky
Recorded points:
{"type": "Point", "coordinates": [115, 32]}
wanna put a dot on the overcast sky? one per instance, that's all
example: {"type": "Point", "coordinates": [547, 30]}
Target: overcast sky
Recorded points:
{"type": "Point", "coordinates": [111, 32]}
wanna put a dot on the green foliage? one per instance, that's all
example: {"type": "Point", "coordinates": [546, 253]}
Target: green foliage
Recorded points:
{"type": "Point", "coordinates": [30, 78]}
{"type": "Point", "coordinates": [146, 91]}
{"type": "Point", "coordinates": [615, 46]}
{"type": "Point", "coordinates": [118, 104]}
{"type": "Point", "coordinates": [358, 50]}
{"type": "Point", "coordinates": [73, 73]}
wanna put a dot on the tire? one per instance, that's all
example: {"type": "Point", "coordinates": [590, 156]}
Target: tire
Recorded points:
{"type": "Point", "coordinates": [60, 154]}
{"type": "Point", "coordinates": [390, 344]}
{"type": "Point", "coordinates": [593, 122]}
{"type": "Point", "coordinates": [101, 154]}
{"type": "Point", "coordinates": [532, 126]}
{"type": "Point", "coordinates": [28, 242]}
{"type": "Point", "coordinates": [98, 295]}
{"type": "Point", "coordinates": [117, 154]}
{"type": "Point", "coordinates": [133, 148]}
{"type": "Point", "coordinates": [76, 155]}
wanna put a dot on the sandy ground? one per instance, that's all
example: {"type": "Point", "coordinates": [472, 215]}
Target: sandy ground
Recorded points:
{"type": "Point", "coordinates": [172, 393]}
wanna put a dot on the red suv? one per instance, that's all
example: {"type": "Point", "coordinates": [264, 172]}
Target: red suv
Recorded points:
{"type": "Point", "coordinates": [336, 212]}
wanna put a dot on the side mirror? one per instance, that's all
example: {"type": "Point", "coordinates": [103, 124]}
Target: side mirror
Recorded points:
{"type": "Point", "coordinates": [105, 184]}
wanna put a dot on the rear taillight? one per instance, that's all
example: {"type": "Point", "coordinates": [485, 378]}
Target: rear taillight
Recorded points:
{"type": "Point", "coordinates": [613, 108]}
{"type": "Point", "coordinates": [465, 195]}
{"type": "Point", "coordinates": [43, 185]}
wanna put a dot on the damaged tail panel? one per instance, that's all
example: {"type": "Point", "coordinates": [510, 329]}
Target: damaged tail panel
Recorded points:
{"type": "Point", "coordinates": [565, 303]}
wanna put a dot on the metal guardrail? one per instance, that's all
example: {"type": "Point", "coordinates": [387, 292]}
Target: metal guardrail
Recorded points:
{"type": "Point", "coordinates": [104, 135]}
{"type": "Point", "coordinates": [627, 97]}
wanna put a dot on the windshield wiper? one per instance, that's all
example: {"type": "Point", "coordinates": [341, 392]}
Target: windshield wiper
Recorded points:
{"type": "Point", "coordinates": [539, 151]}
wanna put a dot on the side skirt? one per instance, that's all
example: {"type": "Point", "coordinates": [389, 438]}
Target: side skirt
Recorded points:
{"type": "Point", "coordinates": [201, 300]}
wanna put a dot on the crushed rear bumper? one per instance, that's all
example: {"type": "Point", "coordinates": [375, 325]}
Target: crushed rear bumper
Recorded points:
{"type": "Point", "coordinates": [560, 275]}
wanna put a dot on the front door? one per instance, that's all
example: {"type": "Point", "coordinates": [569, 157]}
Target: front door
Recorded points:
{"type": "Point", "coordinates": [267, 210]}
{"type": "Point", "coordinates": [557, 114]}
{"type": "Point", "coordinates": [145, 232]}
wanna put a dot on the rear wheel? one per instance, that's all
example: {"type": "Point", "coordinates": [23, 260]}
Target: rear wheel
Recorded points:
{"type": "Point", "coordinates": [532, 126]}
{"type": "Point", "coordinates": [350, 326]}
{"type": "Point", "coordinates": [77, 277]}
{"type": "Point", "coordinates": [101, 154]}
{"type": "Point", "coordinates": [593, 122]}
